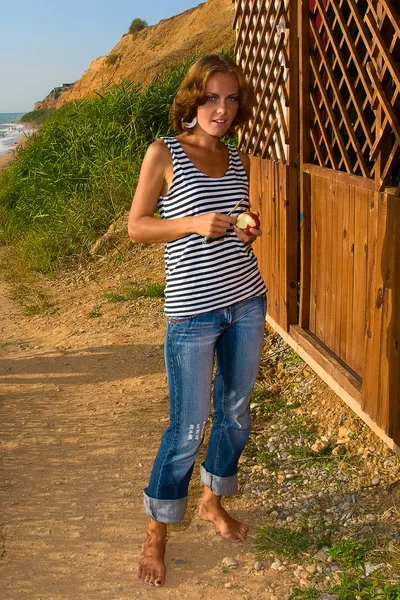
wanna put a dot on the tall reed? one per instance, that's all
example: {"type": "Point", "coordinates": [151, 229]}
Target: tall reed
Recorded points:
{"type": "Point", "coordinates": [77, 174]}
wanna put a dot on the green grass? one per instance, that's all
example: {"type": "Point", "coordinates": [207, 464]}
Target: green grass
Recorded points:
{"type": "Point", "coordinates": [38, 117]}
{"type": "Point", "coordinates": [266, 459]}
{"type": "Point", "coordinates": [281, 540]}
{"type": "Point", "coordinates": [77, 174]}
{"type": "Point", "coordinates": [353, 586]}
{"type": "Point", "coordinates": [348, 553]}
{"type": "Point", "coordinates": [151, 290]}
{"type": "Point", "coordinates": [291, 358]}
{"type": "Point", "coordinates": [269, 402]}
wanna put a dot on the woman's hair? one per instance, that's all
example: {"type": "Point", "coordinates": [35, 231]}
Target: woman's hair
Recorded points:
{"type": "Point", "coordinates": [192, 91]}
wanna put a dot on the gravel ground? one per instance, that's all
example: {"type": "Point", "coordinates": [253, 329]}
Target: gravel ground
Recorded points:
{"type": "Point", "coordinates": [322, 489]}
{"type": "Point", "coordinates": [315, 467]}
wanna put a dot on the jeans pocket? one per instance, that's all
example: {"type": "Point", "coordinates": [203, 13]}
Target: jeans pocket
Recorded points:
{"type": "Point", "coordinates": [176, 320]}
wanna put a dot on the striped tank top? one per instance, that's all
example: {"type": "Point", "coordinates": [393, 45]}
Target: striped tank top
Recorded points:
{"type": "Point", "coordinates": [206, 276]}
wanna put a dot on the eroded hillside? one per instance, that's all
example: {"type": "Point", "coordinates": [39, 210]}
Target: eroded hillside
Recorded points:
{"type": "Point", "coordinates": [139, 57]}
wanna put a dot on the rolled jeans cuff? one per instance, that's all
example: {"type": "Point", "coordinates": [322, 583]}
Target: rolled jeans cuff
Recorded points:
{"type": "Point", "coordinates": [220, 486]}
{"type": "Point", "coordinates": [165, 511]}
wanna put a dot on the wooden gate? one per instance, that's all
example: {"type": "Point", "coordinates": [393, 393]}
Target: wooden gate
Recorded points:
{"type": "Point", "coordinates": [327, 186]}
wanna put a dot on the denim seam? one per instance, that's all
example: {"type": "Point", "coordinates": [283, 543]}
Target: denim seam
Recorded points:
{"type": "Point", "coordinates": [175, 429]}
{"type": "Point", "coordinates": [217, 454]}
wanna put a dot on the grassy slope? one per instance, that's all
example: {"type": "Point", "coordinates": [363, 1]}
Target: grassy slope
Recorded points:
{"type": "Point", "coordinates": [77, 174]}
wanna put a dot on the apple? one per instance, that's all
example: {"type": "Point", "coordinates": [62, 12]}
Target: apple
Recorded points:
{"type": "Point", "coordinates": [248, 220]}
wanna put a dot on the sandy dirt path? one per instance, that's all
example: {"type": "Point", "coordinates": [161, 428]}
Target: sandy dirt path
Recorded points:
{"type": "Point", "coordinates": [83, 405]}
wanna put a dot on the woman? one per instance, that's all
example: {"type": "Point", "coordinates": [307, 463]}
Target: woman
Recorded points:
{"type": "Point", "coordinates": [215, 298]}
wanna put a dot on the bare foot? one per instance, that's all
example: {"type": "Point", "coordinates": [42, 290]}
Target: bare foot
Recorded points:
{"type": "Point", "coordinates": [151, 567]}
{"type": "Point", "coordinates": [211, 510]}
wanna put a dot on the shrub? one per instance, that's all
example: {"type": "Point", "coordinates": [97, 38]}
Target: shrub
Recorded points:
{"type": "Point", "coordinates": [113, 58]}
{"type": "Point", "coordinates": [137, 25]}
{"type": "Point", "coordinates": [38, 117]}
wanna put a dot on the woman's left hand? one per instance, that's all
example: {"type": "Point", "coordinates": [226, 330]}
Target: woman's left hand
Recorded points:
{"type": "Point", "coordinates": [247, 238]}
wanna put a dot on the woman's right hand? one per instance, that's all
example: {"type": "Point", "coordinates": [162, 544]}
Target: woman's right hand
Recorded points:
{"type": "Point", "coordinates": [213, 224]}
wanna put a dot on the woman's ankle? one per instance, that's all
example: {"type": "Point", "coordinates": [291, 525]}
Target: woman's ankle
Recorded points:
{"type": "Point", "coordinates": [210, 498]}
{"type": "Point", "coordinates": [156, 528]}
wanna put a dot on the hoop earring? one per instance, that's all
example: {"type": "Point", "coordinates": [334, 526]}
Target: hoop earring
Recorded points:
{"type": "Point", "coordinates": [189, 124]}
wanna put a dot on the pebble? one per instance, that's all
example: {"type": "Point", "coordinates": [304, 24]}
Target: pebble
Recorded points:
{"type": "Point", "coordinates": [230, 562]}
{"type": "Point", "coordinates": [228, 586]}
{"type": "Point", "coordinates": [276, 564]}
{"type": "Point", "coordinates": [311, 569]}
{"type": "Point", "coordinates": [320, 445]}
{"type": "Point", "coordinates": [298, 573]}
{"type": "Point", "coordinates": [321, 556]}
{"type": "Point", "coordinates": [375, 480]}
{"type": "Point", "coordinates": [259, 566]}
{"type": "Point", "coordinates": [370, 568]}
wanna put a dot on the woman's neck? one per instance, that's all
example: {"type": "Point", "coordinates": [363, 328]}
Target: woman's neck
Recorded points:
{"type": "Point", "coordinates": [203, 140]}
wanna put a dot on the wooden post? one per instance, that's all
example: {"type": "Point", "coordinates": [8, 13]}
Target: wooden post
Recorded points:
{"type": "Point", "coordinates": [305, 178]}
{"type": "Point", "coordinates": [381, 383]}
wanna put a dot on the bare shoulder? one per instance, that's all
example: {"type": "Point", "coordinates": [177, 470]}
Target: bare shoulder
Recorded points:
{"type": "Point", "coordinates": [158, 153]}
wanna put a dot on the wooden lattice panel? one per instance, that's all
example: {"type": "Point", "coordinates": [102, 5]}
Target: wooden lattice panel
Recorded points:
{"type": "Point", "coordinates": [354, 94]}
{"type": "Point", "coordinates": [262, 50]}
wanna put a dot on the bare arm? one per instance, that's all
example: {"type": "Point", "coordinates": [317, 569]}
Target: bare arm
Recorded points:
{"type": "Point", "coordinates": [144, 227]}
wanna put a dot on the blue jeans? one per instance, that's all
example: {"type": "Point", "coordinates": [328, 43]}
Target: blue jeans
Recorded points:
{"type": "Point", "coordinates": [235, 335]}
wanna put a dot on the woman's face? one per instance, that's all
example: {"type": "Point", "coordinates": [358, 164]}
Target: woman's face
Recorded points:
{"type": "Point", "coordinates": [222, 104]}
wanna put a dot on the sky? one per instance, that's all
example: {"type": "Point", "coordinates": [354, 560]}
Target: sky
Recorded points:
{"type": "Point", "coordinates": [45, 43]}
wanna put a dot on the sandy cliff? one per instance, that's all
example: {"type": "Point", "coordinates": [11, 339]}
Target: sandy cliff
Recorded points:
{"type": "Point", "coordinates": [206, 28]}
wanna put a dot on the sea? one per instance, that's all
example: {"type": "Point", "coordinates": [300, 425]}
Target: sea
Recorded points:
{"type": "Point", "coordinates": [11, 130]}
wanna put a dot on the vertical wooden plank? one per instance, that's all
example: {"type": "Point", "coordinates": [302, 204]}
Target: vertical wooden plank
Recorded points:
{"type": "Point", "coordinates": [278, 244]}
{"type": "Point", "coordinates": [282, 244]}
{"type": "Point", "coordinates": [275, 244]}
{"type": "Point", "coordinates": [391, 255]}
{"type": "Point", "coordinates": [255, 196]}
{"type": "Point", "coordinates": [271, 193]}
{"type": "Point", "coordinates": [320, 200]}
{"type": "Point", "coordinates": [360, 278]}
{"type": "Point", "coordinates": [305, 179]}
{"type": "Point", "coordinates": [337, 260]}
{"type": "Point", "coordinates": [350, 280]}
{"type": "Point", "coordinates": [305, 249]}
{"type": "Point", "coordinates": [292, 243]}
{"type": "Point", "coordinates": [268, 207]}
{"type": "Point", "coordinates": [313, 256]}
{"type": "Point", "coordinates": [374, 318]}
{"type": "Point", "coordinates": [330, 242]}
{"type": "Point", "coordinates": [388, 407]}
{"type": "Point", "coordinates": [343, 190]}
{"type": "Point", "coordinates": [259, 202]}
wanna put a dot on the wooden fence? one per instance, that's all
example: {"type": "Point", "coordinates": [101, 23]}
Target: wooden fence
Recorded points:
{"type": "Point", "coordinates": [325, 146]}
